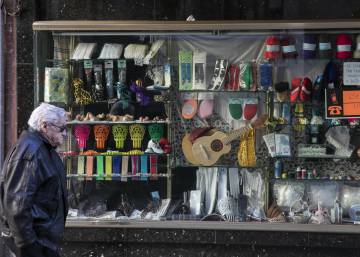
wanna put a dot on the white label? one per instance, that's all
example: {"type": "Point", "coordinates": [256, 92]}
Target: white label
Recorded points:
{"type": "Point", "coordinates": [289, 49]}
{"type": "Point", "coordinates": [324, 46]}
{"type": "Point", "coordinates": [272, 48]}
{"type": "Point", "coordinates": [109, 64]}
{"type": "Point", "coordinates": [121, 64]}
{"type": "Point", "coordinates": [358, 46]}
{"type": "Point", "coordinates": [351, 73]}
{"type": "Point", "coordinates": [344, 48]}
{"type": "Point", "coordinates": [88, 64]}
{"type": "Point", "coordinates": [97, 67]}
{"type": "Point", "coordinates": [309, 47]}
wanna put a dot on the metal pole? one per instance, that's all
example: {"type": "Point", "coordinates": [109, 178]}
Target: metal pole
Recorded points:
{"type": "Point", "coordinates": [2, 88]}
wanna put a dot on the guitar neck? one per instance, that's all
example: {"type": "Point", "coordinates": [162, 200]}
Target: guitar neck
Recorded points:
{"type": "Point", "coordinates": [236, 134]}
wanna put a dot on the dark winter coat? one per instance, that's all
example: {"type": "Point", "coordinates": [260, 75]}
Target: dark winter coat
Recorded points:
{"type": "Point", "coordinates": [33, 205]}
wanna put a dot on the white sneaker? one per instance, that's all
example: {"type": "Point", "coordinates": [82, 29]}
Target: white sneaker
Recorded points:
{"type": "Point", "coordinates": [154, 147]}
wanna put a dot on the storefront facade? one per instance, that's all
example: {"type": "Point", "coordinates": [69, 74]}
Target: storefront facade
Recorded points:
{"type": "Point", "coordinates": [301, 175]}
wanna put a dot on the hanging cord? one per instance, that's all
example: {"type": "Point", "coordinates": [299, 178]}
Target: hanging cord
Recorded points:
{"type": "Point", "coordinates": [6, 11]}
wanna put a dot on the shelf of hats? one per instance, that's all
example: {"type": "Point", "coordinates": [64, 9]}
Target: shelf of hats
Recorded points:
{"type": "Point", "coordinates": [239, 124]}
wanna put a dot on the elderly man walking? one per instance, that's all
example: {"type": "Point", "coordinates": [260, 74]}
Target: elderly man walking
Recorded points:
{"type": "Point", "coordinates": [33, 201]}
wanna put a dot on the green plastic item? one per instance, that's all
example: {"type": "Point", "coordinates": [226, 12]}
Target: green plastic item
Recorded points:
{"type": "Point", "coordinates": [248, 78]}
{"type": "Point", "coordinates": [120, 132]}
{"type": "Point", "coordinates": [108, 167]}
{"type": "Point", "coordinates": [156, 131]}
{"type": "Point", "coordinates": [235, 108]}
{"type": "Point", "coordinates": [100, 166]}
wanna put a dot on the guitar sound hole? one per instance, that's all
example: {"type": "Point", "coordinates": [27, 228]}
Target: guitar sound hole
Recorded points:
{"type": "Point", "coordinates": [216, 145]}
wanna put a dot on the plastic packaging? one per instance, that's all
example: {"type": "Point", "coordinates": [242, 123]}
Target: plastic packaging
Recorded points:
{"type": "Point", "coordinates": [324, 192]}
{"type": "Point", "coordinates": [339, 138]}
{"type": "Point", "coordinates": [350, 195]}
{"type": "Point", "coordinates": [109, 79]}
{"type": "Point", "coordinates": [287, 193]}
{"type": "Point", "coordinates": [195, 202]}
{"type": "Point", "coordinates": [254, 188]}
{"type": "Point", "coordinates": [99, 87]}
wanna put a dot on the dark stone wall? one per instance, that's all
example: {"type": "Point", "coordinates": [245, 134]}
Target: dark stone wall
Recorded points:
{"type": "Point", "coordinates": [119, 241]}
{"type": "Point", "coordinates": [24, 62]}
{"type": "Point", "coordinates": [211, 9]}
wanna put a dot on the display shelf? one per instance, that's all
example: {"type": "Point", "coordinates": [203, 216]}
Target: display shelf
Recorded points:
{"type": "Point", "coordinates": [138, 175]}
{"type": "Point", "coordinates": [221, 91]}
{"type": "Point", "coordinates": [313, 157]}
{"type": "Point", "coordinates": [310, 157]}
{"type": "Point", "coordinates": [315, 180]}
{"type": "Point", "coordinates": [304, 103]}
{"type": "Point", "coordinates": [111, 101]}
{"type": "Point", "coordinates": [70, 61]}
{"type": "Point", "coordinates": [99, 122]}
{"type": "Point", "coordinates": [221, 226]}
{"type": "Point", "coordinates": [117, 154]}
{"type": "Point", "coordinates": [273, 124]}
{"type": "Point", "coordinates": [309, 125]}
{"type": "Point", "coordinates": [215, 165]}
{"type": "Point", "coordinates": [329, 156]}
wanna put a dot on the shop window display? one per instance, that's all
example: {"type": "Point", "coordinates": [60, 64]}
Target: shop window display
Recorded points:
{"type": "Point", "coordinates": [265, 117]}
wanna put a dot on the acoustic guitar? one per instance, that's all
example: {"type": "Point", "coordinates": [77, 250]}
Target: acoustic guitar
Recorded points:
{"type": "Point", "coordinates": [187, 144]}
{"type": "Point", "coordinates": [208, 149]}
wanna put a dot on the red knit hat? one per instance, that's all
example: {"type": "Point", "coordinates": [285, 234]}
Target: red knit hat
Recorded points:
{"type": "Point", "coordinates": [272, 48]}
{"type": "Point", "coordinates": [343, 46]}
{"type": "Point", "coordinates": [288, 48]}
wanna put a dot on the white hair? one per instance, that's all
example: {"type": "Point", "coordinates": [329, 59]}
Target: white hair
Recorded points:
{"type": "Point", "coordinates": [46, 113]}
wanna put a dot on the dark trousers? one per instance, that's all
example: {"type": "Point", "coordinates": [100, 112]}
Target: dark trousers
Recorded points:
{"type": "Point", "coordinates": [13, 251]}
